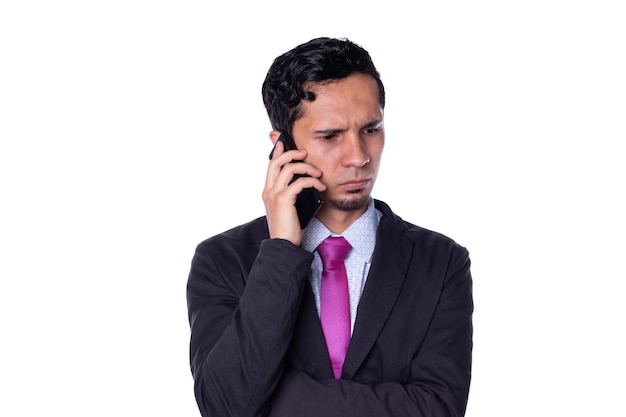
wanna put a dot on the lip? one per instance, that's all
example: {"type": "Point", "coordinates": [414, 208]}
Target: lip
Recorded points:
{"type": "Point", "coordinates": [355, 184]}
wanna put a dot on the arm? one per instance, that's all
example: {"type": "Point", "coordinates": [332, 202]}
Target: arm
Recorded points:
{"type": "Point", "coordinates": [437, 382]}
{"type": "Point", "coordinates": [240, 330]}
{"type": "Point", "coordinates": [242, 324]}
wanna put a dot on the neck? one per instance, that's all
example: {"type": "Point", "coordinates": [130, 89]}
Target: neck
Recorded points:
{"type": "Point", "coordinates": [337, 221]}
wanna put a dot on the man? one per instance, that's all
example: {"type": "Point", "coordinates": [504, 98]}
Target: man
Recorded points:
{"type": "Point", "coordinates": [263, 329]}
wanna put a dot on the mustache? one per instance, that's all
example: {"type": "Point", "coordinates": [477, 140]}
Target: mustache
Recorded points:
{"type": "Point", "coordinates": [353, 177]}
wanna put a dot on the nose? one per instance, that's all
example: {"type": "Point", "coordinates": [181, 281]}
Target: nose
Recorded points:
{"type": "Point", "coordinates": [355, 152]}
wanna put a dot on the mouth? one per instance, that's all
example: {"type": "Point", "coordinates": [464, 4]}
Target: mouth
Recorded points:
{"type": "Point", "coordinates": [355, 185]}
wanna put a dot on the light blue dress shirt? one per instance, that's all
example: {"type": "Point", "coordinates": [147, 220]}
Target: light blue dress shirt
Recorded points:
{"type": "Point", "coordinates": [362, 237]}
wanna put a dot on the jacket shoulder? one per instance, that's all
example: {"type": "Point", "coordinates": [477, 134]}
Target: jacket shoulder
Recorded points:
{"type": "Point", "coordinates": [248, 235]}
{"type": "Point", "coordinates": [251, 231]}
{"type": "Point", "coordinates": [421, 237]}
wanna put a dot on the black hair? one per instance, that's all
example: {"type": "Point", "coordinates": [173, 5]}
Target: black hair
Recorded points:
{"type": "Point", "coordinates": [319, 60]}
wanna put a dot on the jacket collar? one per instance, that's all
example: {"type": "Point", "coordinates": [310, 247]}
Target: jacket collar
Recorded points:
{"type": "Point", "coordinates": [390, 262]}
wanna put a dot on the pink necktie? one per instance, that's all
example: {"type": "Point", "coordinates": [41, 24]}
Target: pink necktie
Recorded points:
{"type": "Point", "coordinates": [334, 300]}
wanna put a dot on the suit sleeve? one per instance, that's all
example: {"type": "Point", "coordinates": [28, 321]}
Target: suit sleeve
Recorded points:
{"type": "Point", "coordinates": [438, 384]}
{"type": "Point", "coordinates": [241, 324]}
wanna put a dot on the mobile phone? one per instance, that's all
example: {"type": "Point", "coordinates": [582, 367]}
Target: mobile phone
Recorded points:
{"type": "Point", "coordinates": [309, 200]}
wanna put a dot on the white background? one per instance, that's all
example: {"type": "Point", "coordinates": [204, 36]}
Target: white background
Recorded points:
{"type": "Point", "coordinates": [132, 130]}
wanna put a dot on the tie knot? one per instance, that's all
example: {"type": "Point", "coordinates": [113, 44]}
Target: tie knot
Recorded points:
{"type": "Point", "coordinates": [333, 251]}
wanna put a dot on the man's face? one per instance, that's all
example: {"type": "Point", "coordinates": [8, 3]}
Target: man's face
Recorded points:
{"type": "Point", "coordinates": [342, 132]}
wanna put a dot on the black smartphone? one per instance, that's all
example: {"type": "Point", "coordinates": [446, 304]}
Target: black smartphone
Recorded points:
{"type": "Point", "coordinates": [309, 200]}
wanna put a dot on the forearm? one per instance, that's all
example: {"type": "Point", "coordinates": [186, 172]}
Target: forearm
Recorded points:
{"type": "Point", "coordinates": [344, 398]}
{"type": "Point", "coordinates": [240, 335]}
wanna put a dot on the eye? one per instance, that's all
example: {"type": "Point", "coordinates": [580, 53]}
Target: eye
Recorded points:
{"type": "Point", "coordinates": [328, 138]}
{"type": "Point", "coordinates": [372, 130]}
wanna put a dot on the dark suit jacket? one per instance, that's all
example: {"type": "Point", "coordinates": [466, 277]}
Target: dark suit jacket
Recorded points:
{"type": "Point", "coordinates": [257, 347]}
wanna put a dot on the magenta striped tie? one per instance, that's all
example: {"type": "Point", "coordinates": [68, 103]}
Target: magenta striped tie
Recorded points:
{"type": "Point", "coordinates": [334, 300]}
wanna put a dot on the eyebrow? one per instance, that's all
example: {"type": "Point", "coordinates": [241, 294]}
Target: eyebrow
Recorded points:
{"type": "Point", "coordinates": [370, 124]}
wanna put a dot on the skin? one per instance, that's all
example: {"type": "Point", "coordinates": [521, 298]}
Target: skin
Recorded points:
{"type": "Point", "coordinates": [340, 138]}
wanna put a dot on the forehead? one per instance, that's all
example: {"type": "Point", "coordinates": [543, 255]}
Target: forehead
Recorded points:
{"type": "Point", "coordinates": [356, 94]}
{"type": "Point", "coordinates": [354, 83]}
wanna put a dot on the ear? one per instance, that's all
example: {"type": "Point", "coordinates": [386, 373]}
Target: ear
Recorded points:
{"type": "Point", "coordinates": [274, 135]}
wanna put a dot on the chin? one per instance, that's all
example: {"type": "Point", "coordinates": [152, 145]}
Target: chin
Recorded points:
{"type": "Point", "coordinates": [357, 202]}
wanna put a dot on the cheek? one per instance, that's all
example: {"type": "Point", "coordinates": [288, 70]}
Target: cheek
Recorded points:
{"type": "Point", "coordinates": [325, 161]}
{"type": "Point", "coordinates": [376, 150]}
{"type": "Point", "coordinates": [327, 169]}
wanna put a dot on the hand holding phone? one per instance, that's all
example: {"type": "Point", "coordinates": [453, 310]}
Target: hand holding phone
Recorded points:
{"type": "Point", "coordinates": [309, 201]}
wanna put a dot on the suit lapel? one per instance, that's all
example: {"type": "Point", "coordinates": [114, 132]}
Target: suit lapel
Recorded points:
{"type": "Point", "coordinates": [390, 262]}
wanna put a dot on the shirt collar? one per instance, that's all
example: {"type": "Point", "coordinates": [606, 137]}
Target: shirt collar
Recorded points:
{"type": "Point", "coordinates": [361, 234]}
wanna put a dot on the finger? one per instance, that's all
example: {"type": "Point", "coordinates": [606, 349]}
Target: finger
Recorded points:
{"type": "Point", "coordinates": [280, 159]}
{"type": "Point", "coordinates": [279, 148]}
{"type": "Point", "coordinates": [301, 183]}
{"type": "Point", "coordinates": [288, 171]}
{"type": "Point", "coordinates": [275, 164]}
